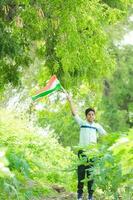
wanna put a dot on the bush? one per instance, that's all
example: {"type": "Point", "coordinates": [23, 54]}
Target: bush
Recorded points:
{"type": "Point", "coordinates": [37, 161]}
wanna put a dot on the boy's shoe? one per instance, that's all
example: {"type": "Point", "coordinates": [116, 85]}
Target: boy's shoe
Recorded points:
{"type": "Point", "coordinates": [90, 198]}
{"type": "Point", "coordinates": [79, 197]}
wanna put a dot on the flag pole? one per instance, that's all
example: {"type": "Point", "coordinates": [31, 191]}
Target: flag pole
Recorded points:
{"type": "Point", "coordinates": [63, 89]}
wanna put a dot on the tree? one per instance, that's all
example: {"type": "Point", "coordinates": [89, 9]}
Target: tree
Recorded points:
{"type": "Point", "coordinates": [70, 36]}
{"type": "Point", "coordinates": [118, 97]}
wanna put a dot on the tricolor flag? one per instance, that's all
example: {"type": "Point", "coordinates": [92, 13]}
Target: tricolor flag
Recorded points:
{"type": "Point", "coordinates": [52, 85]}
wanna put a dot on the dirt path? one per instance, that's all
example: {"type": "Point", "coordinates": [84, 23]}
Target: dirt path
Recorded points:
{"type": "Point", "coordinates": [63, 196]}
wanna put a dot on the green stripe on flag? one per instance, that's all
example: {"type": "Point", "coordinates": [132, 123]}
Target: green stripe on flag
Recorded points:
{"type": "Point", "coordinates": [42, 94]}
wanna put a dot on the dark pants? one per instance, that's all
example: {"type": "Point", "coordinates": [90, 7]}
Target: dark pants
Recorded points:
{"type": "Point", "coordinates": [83, 170]}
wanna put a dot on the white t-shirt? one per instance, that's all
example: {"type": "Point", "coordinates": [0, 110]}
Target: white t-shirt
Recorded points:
{"type": "Point", "coordinates": [88, 131]}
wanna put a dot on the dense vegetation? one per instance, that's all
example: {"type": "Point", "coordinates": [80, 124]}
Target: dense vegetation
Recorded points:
{"type": "Point", "coordinates": [118, 97]}
{"type": "Point", "coordinates": [36, 162]}
{"type": "Point", "coordinates": [76, 40]}
{"type": "Point", "coordinates": [37, 168]}
{"type": "Point", "coordinates": [69, 37]}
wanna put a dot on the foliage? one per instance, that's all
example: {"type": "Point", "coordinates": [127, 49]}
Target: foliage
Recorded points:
{"type": "Point", "coordinates": [112, 173]}
{"type": "Point", "coordinates": [69, 36]}
{"type": "Point", "coordinates": [70, 39]}
{"type": "Point", "coordinates": [61, 122]}
{"type": "Point", "coordinates": [117, 100]}
{"type": "Point", "coordinates": [4, 170]}
{"type": "Point", "coordinates": [37, 161]}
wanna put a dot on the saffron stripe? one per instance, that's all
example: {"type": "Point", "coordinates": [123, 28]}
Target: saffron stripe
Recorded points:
{"type": "Point", "coordinates": [50, 82]}
{"type": "Point", "coordinates": [40, 95]}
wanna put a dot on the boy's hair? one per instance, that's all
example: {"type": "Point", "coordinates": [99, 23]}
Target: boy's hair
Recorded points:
{"type": "Point", "coordinates": [88, 110]}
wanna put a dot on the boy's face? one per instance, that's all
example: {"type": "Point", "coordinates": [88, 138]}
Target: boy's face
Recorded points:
{"type": "Point", "coordinates": [90, 116]}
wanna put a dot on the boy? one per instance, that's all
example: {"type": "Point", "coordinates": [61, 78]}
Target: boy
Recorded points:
{"type": "Point", "coordinates": [88, 135]}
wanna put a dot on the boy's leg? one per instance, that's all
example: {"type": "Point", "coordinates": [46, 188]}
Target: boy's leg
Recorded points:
{"type": "Point", "coordinates": [81, 176]}
{"type": "Point", "coordinates": [90, 190]}
{"type": "Point", "coordinates": [90, 182]}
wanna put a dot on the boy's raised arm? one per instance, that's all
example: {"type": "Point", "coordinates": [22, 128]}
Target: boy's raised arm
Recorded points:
{"type": "Point", "coordinates": [73, 110]}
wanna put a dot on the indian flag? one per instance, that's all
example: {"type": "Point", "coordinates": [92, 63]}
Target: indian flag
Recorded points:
{"type": "Point", "coordinates": [52, 85]}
